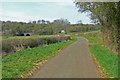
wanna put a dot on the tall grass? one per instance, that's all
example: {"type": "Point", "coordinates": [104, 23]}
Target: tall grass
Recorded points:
{"type": "Point", "coordinates": [14, 44]}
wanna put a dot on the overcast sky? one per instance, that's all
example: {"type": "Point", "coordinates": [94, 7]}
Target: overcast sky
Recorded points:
{"type": "Point", "coordinates": [42, 9]}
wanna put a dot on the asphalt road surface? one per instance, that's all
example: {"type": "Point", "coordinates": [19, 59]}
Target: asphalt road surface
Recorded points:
{"type": "Point", "coordinates": [73, 62]}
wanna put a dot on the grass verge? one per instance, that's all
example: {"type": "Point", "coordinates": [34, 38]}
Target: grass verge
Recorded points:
{"type": "Point", "coordinates": [20, 63]}
{"type": "Point", "coordinates": [107, 59]}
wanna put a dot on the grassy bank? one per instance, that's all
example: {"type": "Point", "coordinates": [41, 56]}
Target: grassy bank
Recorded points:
{"type": "Point", "coordinates": [107, 59]}
{"type": "Point", "coordinates": [15, 65]}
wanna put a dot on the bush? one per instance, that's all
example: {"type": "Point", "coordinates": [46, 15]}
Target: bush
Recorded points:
{"type": "Point", "coordinates": [7, 46]}
{"type": "Point", "coordinates": [11, 45]}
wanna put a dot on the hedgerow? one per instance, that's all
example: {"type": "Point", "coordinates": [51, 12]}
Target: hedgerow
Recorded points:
{"type": "Point", "coordinates": [16, 44]}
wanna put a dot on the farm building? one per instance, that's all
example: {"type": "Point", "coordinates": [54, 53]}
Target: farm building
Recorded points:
{"type": "Point", "coordinates": [62, 31]}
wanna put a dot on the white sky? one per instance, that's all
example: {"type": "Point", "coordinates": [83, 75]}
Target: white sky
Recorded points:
{"type": "Point", "coordinates": [26, 10]}
{"type": "Point", "coordinates": [37, 0]}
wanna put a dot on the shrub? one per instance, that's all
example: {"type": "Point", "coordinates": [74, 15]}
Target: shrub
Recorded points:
{"type": "Point", "coordinates": [10, 45]}
{"type": "Point", "coordinates": [6, 46]}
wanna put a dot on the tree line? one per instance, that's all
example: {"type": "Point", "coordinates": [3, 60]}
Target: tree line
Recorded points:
{"type": "Point", "coordinates": [42, 27]}
{"type": "Point", "coordinates": [107, 15]}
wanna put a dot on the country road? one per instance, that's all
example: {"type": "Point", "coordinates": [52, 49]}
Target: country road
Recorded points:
{"type": "Point", "coordinates": [73, 62]}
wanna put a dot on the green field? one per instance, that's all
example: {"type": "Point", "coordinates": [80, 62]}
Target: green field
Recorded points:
{"type": "Point", "coordinates": [94, 31]}
{"type": "Point", "coordinates": [21, 62]}
{"type": "Point", "coordinates": [93, 37]}
{"type": "Point", "coordinates": [107, 59]}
